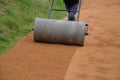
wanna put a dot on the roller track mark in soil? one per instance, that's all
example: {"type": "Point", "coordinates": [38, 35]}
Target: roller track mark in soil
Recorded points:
{"type": "Point", "coordinates": [28, 60]}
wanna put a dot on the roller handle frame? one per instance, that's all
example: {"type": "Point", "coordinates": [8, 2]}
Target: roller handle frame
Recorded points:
{"type": "Point", "coordinates": [54, 9]}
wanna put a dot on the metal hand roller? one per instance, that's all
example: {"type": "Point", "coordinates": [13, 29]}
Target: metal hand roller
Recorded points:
{"type": "Point", "coordinates": [59, 31]}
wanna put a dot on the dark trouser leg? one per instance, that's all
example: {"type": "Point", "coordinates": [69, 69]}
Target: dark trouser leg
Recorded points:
{"type": "Point", "coordinates": [68, 8]}
{"type": "Point", "coordinates": [71, 16]}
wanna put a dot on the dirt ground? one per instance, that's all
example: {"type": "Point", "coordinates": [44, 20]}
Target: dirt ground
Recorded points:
{"type": "Point", "coordinates": [99, 59]}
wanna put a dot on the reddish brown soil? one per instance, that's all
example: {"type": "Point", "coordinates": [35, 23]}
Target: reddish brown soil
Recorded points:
{"type": "Point", "coordinates": [99, 59]}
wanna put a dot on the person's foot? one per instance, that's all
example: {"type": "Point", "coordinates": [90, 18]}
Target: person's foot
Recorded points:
{"type": "Point", "coordinates": [71, 18]}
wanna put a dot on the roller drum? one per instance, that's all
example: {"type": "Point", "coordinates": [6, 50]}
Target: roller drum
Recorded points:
{"type": "Point", "coordinates": [59, 31]}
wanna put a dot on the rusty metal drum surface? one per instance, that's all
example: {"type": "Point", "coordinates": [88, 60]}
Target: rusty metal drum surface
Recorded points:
{"type": "Point", "coordinates": [59, 31]}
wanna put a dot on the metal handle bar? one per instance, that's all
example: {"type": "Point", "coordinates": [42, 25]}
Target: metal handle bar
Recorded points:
{"type": "Point", "coordinates": [53, 9]}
